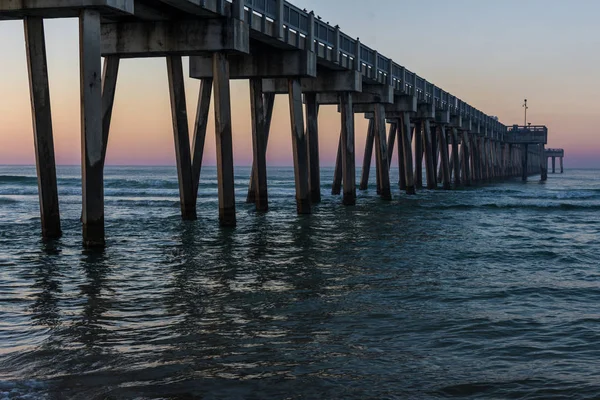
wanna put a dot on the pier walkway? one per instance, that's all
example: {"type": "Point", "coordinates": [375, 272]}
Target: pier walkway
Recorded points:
{"type": "Point", "coordinates": [280, 49]}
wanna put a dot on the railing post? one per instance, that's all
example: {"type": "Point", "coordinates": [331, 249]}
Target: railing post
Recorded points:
{"type": "Point", "coordinates": [390, 72]}
{"type": "Point", "coordinates": [279, 19]}
{"type": "Point", "coordinates": [336, 45]}
{"type": "Point", "coordinates": [311, 32]}
{"type": "Point", "coordinates": [237, 9]}
{"type": "Point", "coordinates": [375, 59]}
{"type": "Point", "coordinates": [357, 63]}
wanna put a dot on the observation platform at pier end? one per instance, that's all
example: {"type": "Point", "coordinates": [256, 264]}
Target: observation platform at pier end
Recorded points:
{"type": "Point", "coordinates": [279, 48]}
{"type": "Point", "coordinates": [554, 154]}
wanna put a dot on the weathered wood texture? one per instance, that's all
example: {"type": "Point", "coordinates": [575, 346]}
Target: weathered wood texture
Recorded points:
{"type": "Point", "coordinates": [407, 150]}
{"type": "Point", "coordinates": [347, 146]}
{"type": "Point", "coordinates": [109, 89]}
{"type": "Point", "coordinates": [312, 136]}
{"type": "Point", "coordinates": [200, 125]}
{"type": "Point", "coordinates": [269, 102]}
{"type": "Point", "coordinates": [224, 140]}
{"type": "Point", "coordinates": [259, 145]}
{"type": "Point", "coordinates": [92, 142]}
{"type": "Point", "coordinates": [418, 155]}
{"type": "Point", "coordinates": [336, 187]}
{"type": "Point", "coordinates": [299, 147]}
{"type": "Point", "coordinates": [181, 136]}
{"type": "Point", "coordinates": [383, 166]}
{"type": "Point", "coordinates": [445, 164]}
{"type": "Point", "coordinates": [42, 127]}
{"type": "Point", "coordinates": [429, 162]}
{"type": "Point", "coordinates": [366, 168]}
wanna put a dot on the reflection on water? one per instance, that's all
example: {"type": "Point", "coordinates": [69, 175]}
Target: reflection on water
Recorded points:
{"type": "Point", "coordinates": [440, 295]}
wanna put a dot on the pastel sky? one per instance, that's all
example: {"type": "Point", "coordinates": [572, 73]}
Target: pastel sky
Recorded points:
{"type": "Point", "coordinates": [491, 54]}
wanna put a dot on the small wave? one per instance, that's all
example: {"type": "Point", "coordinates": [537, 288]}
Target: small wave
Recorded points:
{"type": "Point", "coordinates": [10, 179]}
{"type": "Point", "coordinates": [6, 200]}
{"type": "Point", "coordinates": [548, 206]}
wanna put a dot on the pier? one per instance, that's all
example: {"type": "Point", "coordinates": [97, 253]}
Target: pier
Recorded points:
{"type": "Point", "coordinates": [280, 49]}
{"type": "Point", "coordinates": [554, 154]}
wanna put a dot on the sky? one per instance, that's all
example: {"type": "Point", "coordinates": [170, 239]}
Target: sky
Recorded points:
{"type": "Point", "coordinates": [491, 54]}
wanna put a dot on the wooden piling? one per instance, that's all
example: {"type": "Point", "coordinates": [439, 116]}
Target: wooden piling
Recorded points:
{"type": "Point", "coordinates": [181, 135]}
{"type": "Point", "coordinates": [224, 140]}
{"type": "Point", "coordinates": [456, 158]}
{"type": "Point", "coordinates": [383, 166]}
{"type": "Point", "coordinates": [42, 127]}
{"type": "Point", "coordinates": [525, 156]}
{"type": "Point", "coordinates": [312, 136]}
{"type": "Point", "coordinates": [391, 142]}
{"type": "Point", "coordinates": [445, 165]}
{"type": "Point", "coordinates": [467, 156]}
{"type": "Point", "coordinates": [429, 163]}
{"type": "Point", "coordinates": [347, 146]}
{"type": "Point", "coordinates": [336, 187]}
{"type": "Point", "coordinates": [200, 125]}
{"type": "Point", "coordinates": [259, 145]}
{"type": "Point", "coordinates": [407, 151]}
{"type": "Point", "coordinates": [418, 155]}
{"type": "Point", "coordinates": [109, 88]}
{"type": "Point", "coordinates": [562, 170]}
{"type": "Point", "coordinates": [366, 167]}
{"type": "Point", "coordinates": [92, 142]}
{"type": "Point", "coordinates": [299, 147]}
{"type": "Point", "coordinates": [269, 102]}
{"type": "Point", "coordinates": [401, 171]}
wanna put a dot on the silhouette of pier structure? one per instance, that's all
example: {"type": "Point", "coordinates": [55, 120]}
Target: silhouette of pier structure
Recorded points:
{"type": "Point", "coordinates": [280, 49]}
{"type": "Point", "coordinates": [554, 154]}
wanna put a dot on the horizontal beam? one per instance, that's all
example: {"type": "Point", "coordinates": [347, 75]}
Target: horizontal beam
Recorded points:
{"type": "Point", "coordinates": [325, 82]}
{"type": "Point", "coordinates": [161, 38]}
{"type": "Point", "coordinates": [400, 104]}
{"type": "Point", "coordinates": [18, 9]}
{"type": "Point", "coordinates": [274, 64]}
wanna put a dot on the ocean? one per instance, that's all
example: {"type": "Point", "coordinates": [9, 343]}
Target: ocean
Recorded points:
{"type": "Point", "coordinates": [481, 293]}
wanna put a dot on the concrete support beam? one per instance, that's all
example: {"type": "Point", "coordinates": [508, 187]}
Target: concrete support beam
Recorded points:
{"type": "Point", "coordinates": [260, 64]}
{"type": "Point", "coordinates": [525, 165]}
{"type": "Point", "coordinates": [383, 93]}
{"type": "Point", "coordinates": [391, 140]}
{"type": "Point", "coordinates": [224, 140]}
{"type": "Point", "coordinates": [312, 136]}
{"type": "Point", "coordinates": [299, 147]}
{"type": "Point", "coordinates": [43, 140]}
{"type": "Point", "coordinates": [182, 140]}
{"type": "Point", "coordinates": [183, 37]}
{"type": "Point", "coordinates": [92, 142]}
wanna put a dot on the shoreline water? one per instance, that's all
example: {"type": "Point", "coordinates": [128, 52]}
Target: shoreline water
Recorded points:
{"type": "Point", "coordinates": [477, 293]}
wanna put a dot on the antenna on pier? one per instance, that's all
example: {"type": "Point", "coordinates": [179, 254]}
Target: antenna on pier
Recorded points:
{"type": "Point", "coordinates": [525, 106]}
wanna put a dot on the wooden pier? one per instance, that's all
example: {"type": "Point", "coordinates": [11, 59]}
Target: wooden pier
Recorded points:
{"type": "Point", "coordinates": [280, 49]}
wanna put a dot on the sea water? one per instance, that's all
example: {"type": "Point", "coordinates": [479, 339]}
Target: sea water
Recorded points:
{"type": "Point", "coordinates": [486, 292]}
